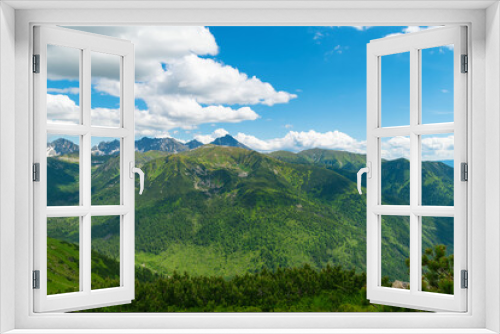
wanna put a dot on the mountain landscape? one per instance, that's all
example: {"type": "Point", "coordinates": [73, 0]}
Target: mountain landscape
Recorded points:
{"type": "Point", "coordinates": [223, 210]}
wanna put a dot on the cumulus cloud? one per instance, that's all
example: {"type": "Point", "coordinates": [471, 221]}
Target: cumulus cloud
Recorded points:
{"type": "Point", "coordinates": [434, 148]}
{"type": "Point", "coordinates": [68, 90]}
{"type": "Point", "coordinates": [438, 148]}
{"type": "Point", "coordinates": [211, 82]}
{"type": "Point", "coordinates": [179, 88]}
{"type": "Point", "coordinates": [62, 110]}
{"type": "Point", "coordinates": [297, 141]}
{"type": "Point", "coordinates": [395, 147]}
{"type": "Point", "coordinates": [154, 45]}
{"type": "Point", "coordinates": [206, 139]}
{"type": "Point", "coordinates": [169, 112]}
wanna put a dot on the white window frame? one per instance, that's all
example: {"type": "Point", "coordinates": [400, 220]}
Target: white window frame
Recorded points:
{"type": "Point", "coordinates": [86, 44]}
{"type": "Point", "coordinates": [484, 54]}
{"type": "Point", "coordinates": [413, 44]}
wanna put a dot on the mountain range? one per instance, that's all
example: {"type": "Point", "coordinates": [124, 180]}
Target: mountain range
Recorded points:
{"type": "Point", "coordinates": [62, 146]}
{"type": "Point", "coordinates": [221, 210]}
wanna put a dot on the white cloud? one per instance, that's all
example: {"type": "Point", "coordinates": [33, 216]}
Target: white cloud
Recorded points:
{"type": "Point", "coordinates": [108, 86]}
{"type": "Point", "coordinates": [211, 82]}
{"type": "Point", "coordinates": [361, 28]}
{"type": "Point", "coordinates": [318, 35]}
{"type": "Point", "coordinates": [179, 88]}
{"type": "Point", "coordinates": [288, 126]}
{"type": "Point", "coordinates": [61, 109]}
{"type": "Point", "coordinates": [411, 29]}
{"type": "Point", "coordinates": [205, 139]}
{"type": "Point", "coordinates": [68, 90]}
{"type": "Point", "coordinates": [105, 117]}
{"type": "Point", "coordinates": [433, 148]}
{"type": "Point", "coordinates": [298, 141]}
{"type": "Point", "coordinates": [154, 45]}
{"type": "Point", "coordinates": [438, 148]}
{"type": "Point", "coordinates": [169, 112]}
{"type": "Point", "coordinates": [395, 148]}
{"type": "Point", "coordinates": [444, 91]}
{"type": "Point", "coordinates": [338, 49]}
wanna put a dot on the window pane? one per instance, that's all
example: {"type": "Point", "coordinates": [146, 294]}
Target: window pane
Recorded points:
{"type": "Point", "coordinates": [395, 89]}
{"type": "Point", "coordinates": [437, 169]}
{"type": "Point", "coordinates": [437, 254]}
{"type": "Point", "coordinates": [105, 90]}
{"type": "Point", "coordinates": [63, 255]}
{"type": "Point", "coordinates": [105, 252]}
{"type": "Point", "coordinates": [396, 252]}
{"type": "Point", "coordinates": [105, 171]}
{"type": "Point", "coordinates": [63, 85]}
{"type": "Point", "coordinates": [395, 169]}
{"type": "Point", "coordinates": [63, 170]}
{"type": "Point", "coordinates": [437, 84]}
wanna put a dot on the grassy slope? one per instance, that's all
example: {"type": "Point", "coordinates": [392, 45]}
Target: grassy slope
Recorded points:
{"type": "Point", "coordinates": [226, 211]}
{"type": "Point", "coordinates": [63, 268]}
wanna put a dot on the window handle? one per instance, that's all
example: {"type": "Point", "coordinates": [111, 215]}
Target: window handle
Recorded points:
{"type": "Point", "coordinates": [368, 171]}
{"type": "Point", "coordinates": [141, 176]}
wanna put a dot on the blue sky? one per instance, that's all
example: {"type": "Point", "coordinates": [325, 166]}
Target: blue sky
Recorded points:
{"type": "Point", "coordinates": [301, 82]}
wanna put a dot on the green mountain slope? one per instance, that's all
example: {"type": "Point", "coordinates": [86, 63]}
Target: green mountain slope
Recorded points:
{"type": "Point", "coordinates": [227, 211]}
{"type": "Point", "coordinates": [63, 269]}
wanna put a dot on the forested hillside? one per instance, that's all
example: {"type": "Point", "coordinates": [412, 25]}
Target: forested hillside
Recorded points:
{"type": "Point", "coordinates": [227, 212]}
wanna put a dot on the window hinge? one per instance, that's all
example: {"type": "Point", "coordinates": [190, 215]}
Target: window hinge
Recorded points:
{"type": "Point", "coordinates": [465, 279]}
{"type": "Point", "coordinates": [36, 172]}
{"type": "Point", "coordinates": [36, 279]}
{"type": "Point", "coordinates": [36, 63]}
{"type": "Point", "coordinates": [465, 64]}
{"type": "Point", "coordinates": [464, 171]}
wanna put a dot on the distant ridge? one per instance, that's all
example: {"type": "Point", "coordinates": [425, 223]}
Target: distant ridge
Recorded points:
{"type": "Point", "coordinates": [160, 144]}
{"type": "Point", "coordinates": [61, 146]}
{"type": "Point", "coordinates": [228, 140]}
{"type": "Point", "coordinates": [107, 148]}
{"type": "Point", "coordinates": [193, 144]}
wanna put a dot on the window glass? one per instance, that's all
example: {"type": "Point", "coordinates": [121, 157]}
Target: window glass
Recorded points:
{"type": "Point", "coordinates": [105, 252]}
{"type": "Point", "coordinates": [63, 85]}
{"type": "Point", "coordinates": [63, 170]}
{"type": "Point", "coordinates": [106, 90]}
{"type": "Point", "coordinates": [437, 169]}
{"type": "Point", "coordinates": [437, 84]}
{"type": "Point", "coordinates": [395, 170]}
{"type": "Point", "coordinates": [395, 252]}
{"type": "Point", "coordinates": [63, 255]}
{"type": "Point", "coordinates": [437, 254]}
{"type": "Point", "coordinates": [395, 89]}
{"type": "Point", "coordinates": [106, 171]}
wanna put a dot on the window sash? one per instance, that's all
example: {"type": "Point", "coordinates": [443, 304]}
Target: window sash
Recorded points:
{"type": "Point", "coordinates": [86, 297]}
{"type": "Point", "coordinates": [414, 298]}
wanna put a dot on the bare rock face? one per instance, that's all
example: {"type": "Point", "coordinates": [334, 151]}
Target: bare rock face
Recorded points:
{"type": "Point", "coordinates": [400, 285]}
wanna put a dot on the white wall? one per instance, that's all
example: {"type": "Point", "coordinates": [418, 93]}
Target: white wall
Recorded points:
{"type": "Point", "coordinates": [7, 161]}
{"type": "Point", "coordinates": [492, 166]}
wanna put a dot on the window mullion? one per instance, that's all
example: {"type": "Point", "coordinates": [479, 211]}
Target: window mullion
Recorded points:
{"type": "Point", "coordinates": [414, 170]}
{"type": "Point", "coordinates": [85, 183]}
